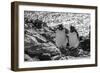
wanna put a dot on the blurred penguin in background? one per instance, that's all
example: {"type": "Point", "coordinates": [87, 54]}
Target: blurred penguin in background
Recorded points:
{"type": "Point", "coordinates": [73, 38]}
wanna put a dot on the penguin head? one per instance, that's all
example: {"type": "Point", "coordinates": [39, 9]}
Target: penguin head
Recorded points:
{"type": "Point", "coordinates": [60, 27]}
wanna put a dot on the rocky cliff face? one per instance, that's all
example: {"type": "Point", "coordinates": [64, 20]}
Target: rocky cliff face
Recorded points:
{"type": "Point", "coordinates": [39, 42]}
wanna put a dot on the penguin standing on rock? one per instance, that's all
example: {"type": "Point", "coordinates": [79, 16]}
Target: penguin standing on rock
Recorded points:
{"type": "Point", "coordinates": [61, 39]}
{"type": "Point", "coordinates": [73, 41]}
{"type": "Point", "coordinates": [73, 37]}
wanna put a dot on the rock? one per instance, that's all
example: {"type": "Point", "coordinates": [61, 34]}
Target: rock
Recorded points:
{"type": "Point", "coordinates": [64, 58]}
{"type": "Point", "coordinates": [52, 49]}
{"type": "Point", "coordinates": [85, 45]}
{"type": "Point", "coordinates": [71, 57]}
{"type": "Point", "coordinates": [27, 58]}
{"type": "Point", "coordinates": [33, 39]}
{"type": "Point", "coordinates": [34, 51]}
{"type": "Point", "coordinates": [45, 56]}
{"type": "Point", "coordinates": [57, 57]}
{"type": "Point", "coordinates": [40, 38]}
{"type": "Point", "coordinates": [36, 58]}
